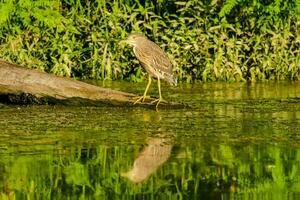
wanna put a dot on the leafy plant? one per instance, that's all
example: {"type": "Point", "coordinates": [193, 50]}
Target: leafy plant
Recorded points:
{"type": "Point", "coordinates": [233, 40]}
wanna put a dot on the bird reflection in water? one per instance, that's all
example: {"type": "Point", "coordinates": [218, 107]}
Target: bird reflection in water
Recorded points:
{"type": "Point", "coordinates": [157, 152]}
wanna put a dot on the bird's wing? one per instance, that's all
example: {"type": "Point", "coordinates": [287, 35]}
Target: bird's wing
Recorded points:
{"type": "Point", "coordinates": [154, 56]}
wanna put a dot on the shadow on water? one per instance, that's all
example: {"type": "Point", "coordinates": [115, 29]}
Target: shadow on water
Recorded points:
{"type": "Point", "coordinates": [237, 141]}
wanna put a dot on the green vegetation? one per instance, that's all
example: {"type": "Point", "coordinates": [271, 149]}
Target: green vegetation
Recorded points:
{"type": "Point", "coordinates": [232, 40]}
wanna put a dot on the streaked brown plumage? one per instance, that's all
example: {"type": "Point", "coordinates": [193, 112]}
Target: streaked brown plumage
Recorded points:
{"type": "Point", "coordinates": [153, 59]}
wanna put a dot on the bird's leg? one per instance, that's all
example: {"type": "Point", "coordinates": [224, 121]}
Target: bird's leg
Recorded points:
{"type": "Point", "coordinates": [142, 98]}
{"type": "Point", "coordinates": [160, 97]}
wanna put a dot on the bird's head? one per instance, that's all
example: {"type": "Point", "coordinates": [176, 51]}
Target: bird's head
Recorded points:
{"type": "Point", "coordinates": [133, 39]}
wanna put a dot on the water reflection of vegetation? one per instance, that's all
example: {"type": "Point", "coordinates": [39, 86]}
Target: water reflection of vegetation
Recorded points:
{"type": "Point", "coordinates": [201, 169]}
{"type": "Point", "coordinates": [237, 140]}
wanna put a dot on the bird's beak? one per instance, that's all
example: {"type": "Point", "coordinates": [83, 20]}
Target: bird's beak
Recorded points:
{"type": "Point", "coordinates": [122, 42]}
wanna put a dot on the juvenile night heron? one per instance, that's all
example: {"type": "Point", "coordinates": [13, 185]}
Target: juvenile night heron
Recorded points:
{"type": "Point", "coordinates": [154, 60]}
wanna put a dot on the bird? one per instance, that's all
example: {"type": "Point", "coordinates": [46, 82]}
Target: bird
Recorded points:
{"type": "Point", "coordinates": [154, 60]}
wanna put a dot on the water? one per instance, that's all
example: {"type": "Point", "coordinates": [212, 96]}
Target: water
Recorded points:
{"type": "Point", "coordinates": [236, 141]}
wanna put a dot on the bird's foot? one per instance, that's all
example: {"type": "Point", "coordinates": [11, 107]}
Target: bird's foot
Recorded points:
{"type": "Point", "coordinates": [141, 99]}
{"type": "Point", "coordinates": [158, 102]}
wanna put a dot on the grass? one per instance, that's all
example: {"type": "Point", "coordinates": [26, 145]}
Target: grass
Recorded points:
{"type": "Point", "coordinates": [206, 40]}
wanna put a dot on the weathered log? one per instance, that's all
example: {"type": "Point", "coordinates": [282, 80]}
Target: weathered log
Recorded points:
{"type": "Point", "coordinates": [20, 85]}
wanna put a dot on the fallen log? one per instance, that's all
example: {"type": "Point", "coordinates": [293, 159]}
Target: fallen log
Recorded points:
{"type": "Point", "coordinates": [20, 85]}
